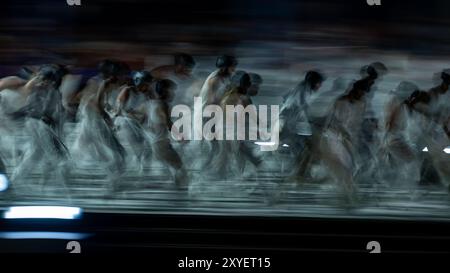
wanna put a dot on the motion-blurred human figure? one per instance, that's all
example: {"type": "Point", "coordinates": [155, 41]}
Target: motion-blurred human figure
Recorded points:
{"type": "Point", "coordinates": [129, 117]}
{"type": "Point", "coordinates": [341, 135]}
{"type": "Point", "coordinates": [369, 136]}
{"type": "Point", "coordinates": [159, 126]}
{"type": "Point", "coordinates": [437, 111]}
{"type": "Point", "coordinates": [181, 69]}
{"type": "Point", "coordinates": [232, 155]}
{"type": "Point", "coordinates": [321, 105]}
{"type": "Point", "coordinates": [180, 72]}
{"type": "Point", "coordinates": [14, 92]}
{"type": "Point", "coordinates": [211, 93]}
{"type": "Point", "coordinates": [95, 136]}
{"type": "Point", "coordinates": [399, 156]}
{"type": "Point", "coordinates": [215, 85]}
{"type": "Point", "coordinates": [43, 115]}
{"type": "Point", "coordinates": [108, 69]}
{"type": "Point", "coordinates": [296, 130]}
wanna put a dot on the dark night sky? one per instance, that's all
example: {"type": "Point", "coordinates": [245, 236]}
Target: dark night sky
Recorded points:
{"type": "Point", "coordinates": [107, 13]}
{"type": "Point", "coordinates": [199, 11]}
{"type": "Point", "coordinates": [410, 25]}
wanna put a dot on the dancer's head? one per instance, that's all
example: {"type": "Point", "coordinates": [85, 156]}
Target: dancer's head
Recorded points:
{"type": "Point", "coordinates": [165, 90]}
{"type": "Point", "coordinates": [314, 80]}
{"type": "Point", "coordinates": [184, 64]}
{"type": "Point", "coordinates": [50, 75]}
{"type": "Point", "coordinates": [419, 100]}
{"type": "Point", "coordinates": [244, 84]}
{"type": "Point", "coordinates": [142, 80]}
{"type": "Point", "coordinates": [373, 71]}
{"type": "Point", "coordinates": [241, 80]}
{"type": "Point", "coordinates": [235, 80]}
{"type": "Point", "coordinates": [359, 89]}
{"type": "Point", "coordinates": [114, 69]}
{"type": "Point", "coordinates": [256, 81]}
{"type": "Point", "coordinates": [227, 64]}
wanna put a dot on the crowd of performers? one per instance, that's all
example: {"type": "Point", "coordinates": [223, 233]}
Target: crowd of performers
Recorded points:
{"type": "Point", "coordinates": [123, 118]}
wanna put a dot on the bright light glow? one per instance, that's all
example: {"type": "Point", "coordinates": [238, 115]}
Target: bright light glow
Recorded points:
{"type": "Point", "coordinates": [42, 212]}
{"type": "Point", "coordinates": [285, 145]}
{"type": "Point", "coordinates": [4, 182]}
{"type": "Point", "coordinates": [43, 235]}
{"type": "Point", "coordinates": [265, 143]}
{"type": "Point", "coordinates": [425, 149]}
{"type": "Point", "coordinates": [447, 150]}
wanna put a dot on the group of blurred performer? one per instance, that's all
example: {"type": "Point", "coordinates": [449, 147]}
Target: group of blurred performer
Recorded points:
{"type": "Point", "coordinates": [123, 118]}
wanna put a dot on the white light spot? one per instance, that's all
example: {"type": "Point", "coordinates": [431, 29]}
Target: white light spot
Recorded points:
{"type": "Point", "coordinates": [4, 182]}
{"type": "Point", "coordinates": [43, 235]}
{"type": "Point", "coordinates": [265, 143]}
{"type": "Point", "coordinates": [52, 212]}
{"type": "Point", "coordinates": [425, 149]}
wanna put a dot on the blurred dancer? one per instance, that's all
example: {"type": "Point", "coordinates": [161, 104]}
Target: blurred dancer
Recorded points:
{"type": "Point", "coordinates": [108, 69]}
{"type": "Point", "coordinates": [14, 92]}
{"type": "Point", "coordinates": [96, 139]}
{"type": "Point", "coordinates": [180, 72]}
{"type": "Point", "coordinates": [130, 116]}
{"type": "Point", "coordinates": [215, 85]}
{"type": "Point", "coordinates": [159, 126]}
{"type": "Point", "coordinates": [399, 156]}
{"type": "Point", "coordinates": [296, 130]}
{"type": "Point", "coordinates": [42, 114]}
{"type": "Point", "coordinates": [340, 138]}
{"type": "Point", "coordinates": [232, 155]}
{"type": "Point", "coordinates": [437, 111]}
{"type": "Point", "coordinates": [182, 68]}
{"type": "Point", "coordinates": [70, 85]}
{"type": "Point", "coordinates": [211, 93]}
{"type": "Point", "coordinates": [369, 136]}
{"type": "Point", "coordinates": [256, 81]}
{"type": "Point", "coordinates": [439, 108]}
{"type": "Point", "coordinates": [320, 106]}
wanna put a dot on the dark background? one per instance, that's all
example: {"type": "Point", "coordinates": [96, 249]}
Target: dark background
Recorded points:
{"type": "Point", "coordinates": [53, 27]}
